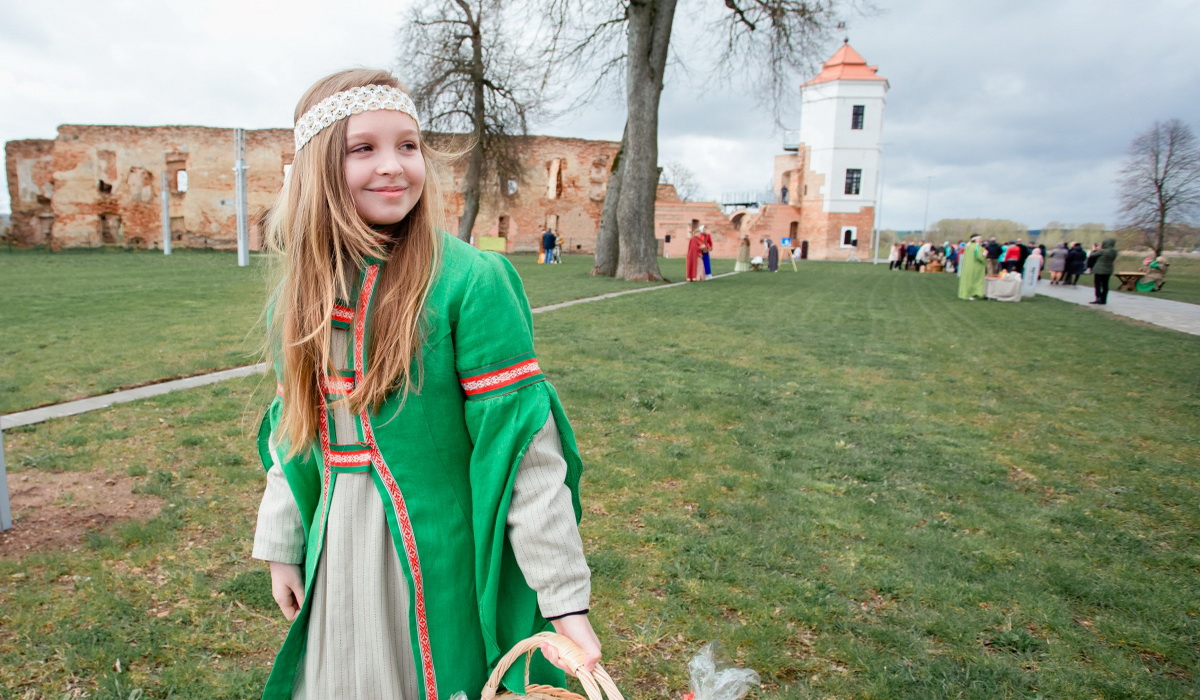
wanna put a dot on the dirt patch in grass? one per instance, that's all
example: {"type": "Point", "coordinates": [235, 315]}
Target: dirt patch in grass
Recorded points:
{"type": "Point", "coordinates": [54, 511]}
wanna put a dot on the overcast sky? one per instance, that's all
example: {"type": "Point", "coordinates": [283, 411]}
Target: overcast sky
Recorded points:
{"type": "Point", "coordinates": [1015, 109]}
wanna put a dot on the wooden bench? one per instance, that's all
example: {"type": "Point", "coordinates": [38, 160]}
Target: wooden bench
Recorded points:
{"type": "Point", "coordinates": [1128, 280]}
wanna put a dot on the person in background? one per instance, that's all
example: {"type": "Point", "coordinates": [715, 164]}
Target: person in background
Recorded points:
{"type": "Point", "coordinates": [1012, 256]}
{"type": "Point", "coordinates": [548, 239]}
{"type": "Point", "coordinates": [1031, 273]}
{"type": "Point", "coordinates": [1153, 280]}
{"type": "Point", "coordinates": [1057, 264]}
{"type": "Point", "coordinates": [706, 242]}
{"type": "Point", "coordinates": [894, 256]}
{"type": "Point", "coordinates": [1101, 261]}
{"type": "Point", "coordinates": [772, 255]}
{"type": "Point", "coordinates": [743, 255]}
{"type": "Point", "coordinates": [692, 262]}
{"type": "Point", "coordinates": [994, 250]}
{"type": "Point", "coordinates": [911, 251]}
{"type": "Point", "coordinates": [972, 263]}
{"type": "Point", "coordinates": [1076, 263]}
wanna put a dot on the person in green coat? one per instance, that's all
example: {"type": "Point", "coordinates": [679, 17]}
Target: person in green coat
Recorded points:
{"type": "Point", "coordinates": [1156, 272]}
{"type": "Point", "coordinates": [421, 508]}
{"type": "Point", "coordinates": [1102, 261]}
{"type": "Point", "coordinates": [970, 281]}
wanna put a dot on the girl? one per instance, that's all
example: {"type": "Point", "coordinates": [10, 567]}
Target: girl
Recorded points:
{"type": "Point", "coordinates": [421, 502]}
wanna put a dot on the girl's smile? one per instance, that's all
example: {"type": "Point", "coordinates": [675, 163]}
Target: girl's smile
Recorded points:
{"type": "Point", "coordinates": [384, 166]}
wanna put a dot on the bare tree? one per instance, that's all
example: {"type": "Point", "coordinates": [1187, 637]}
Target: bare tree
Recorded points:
{"type": "Point", "coordinates": [467, 76]}
{"type": "Point", "coordinates": [1160, 183]}
{"type": "Point", "coordinates": [768, 37]}
{"type": "Point", "coordinates": [682, 179]}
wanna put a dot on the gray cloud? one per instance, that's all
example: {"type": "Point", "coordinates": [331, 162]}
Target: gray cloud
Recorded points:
{"type": "Point", "coordinates": [1017, 110]}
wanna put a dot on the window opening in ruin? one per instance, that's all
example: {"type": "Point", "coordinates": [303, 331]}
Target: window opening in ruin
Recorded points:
{"type": "Point", "coordinates": [695, 224]}
{"type": "Point", "coordinates": [502, 228]}
{"type": "Point", "coordinates": [737, 219]}
{"type": "Point", "coordinates": [511, 188]}
{"type": "Point", "coordinates": [110, 229]}
{"type": "Point", "coordinates": [856, 119]}
{"type": "Point", "coordinates": [849, 237]}
{"type": "Point", "coordinates": [853, 180]}
{"type": "Point", "coordinates": [806, 190]}
{"type": "Point", "coordinates": [554, 179]}
{"type": "Point", "coordinates": [107, 166]}
{"type": "Point", "coordinates": [181, 181]}
{"type": "Point", "coordinates": [793, 229]}
{"type": "Point", "coordinates": [177, 228]}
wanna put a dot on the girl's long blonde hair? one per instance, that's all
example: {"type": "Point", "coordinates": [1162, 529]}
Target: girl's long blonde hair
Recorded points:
{"type": "Point", "coordinates": [320, 238]}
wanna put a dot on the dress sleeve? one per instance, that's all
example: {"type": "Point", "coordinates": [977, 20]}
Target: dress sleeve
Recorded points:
{"type": "Point", "coordinates": [543, 531]}
{"type": "Point", "coordinates": [280, 532]}
{"type": "Point", "coordinates": [507, 403]}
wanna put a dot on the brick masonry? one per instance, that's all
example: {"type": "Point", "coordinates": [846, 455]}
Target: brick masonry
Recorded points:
{"type": "Point", "coordinates": [102, 185]}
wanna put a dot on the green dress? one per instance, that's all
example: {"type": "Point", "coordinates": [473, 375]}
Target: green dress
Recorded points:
{"type": "Point", "coordinates": [970, 281]}
{"type": "Point", "coordinates": [1153, 278]}
{"type": "Point", "coordinates": [443, 462]}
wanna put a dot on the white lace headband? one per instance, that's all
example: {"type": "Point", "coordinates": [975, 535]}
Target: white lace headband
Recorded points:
{"type": "Point", "coordinates": [357, 100]}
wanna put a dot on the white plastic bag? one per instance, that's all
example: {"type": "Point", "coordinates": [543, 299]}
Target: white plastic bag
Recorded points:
{"type": "Point", "coordinates": [713, 680]}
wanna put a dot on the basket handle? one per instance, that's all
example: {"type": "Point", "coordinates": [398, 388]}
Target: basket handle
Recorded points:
{"type": "Point", "coordinates": [569, 652]}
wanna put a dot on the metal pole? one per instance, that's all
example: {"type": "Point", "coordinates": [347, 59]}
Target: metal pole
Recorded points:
{"type": "Point", "coordinates": [239, 170]}
{"type": "Point", "coordinates": [166, 213]}
{"type": "Point", "coordinates": [5, 508]}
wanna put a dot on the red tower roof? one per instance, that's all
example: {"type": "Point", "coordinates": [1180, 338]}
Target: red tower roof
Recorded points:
{"type": "Point", "coordinates": [846, 64]}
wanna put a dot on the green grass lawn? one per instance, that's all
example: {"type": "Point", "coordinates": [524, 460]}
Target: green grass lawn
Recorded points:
{"type": "Point", "coordinates": [87, 322]}
{"type": "Point", "coordinates": [859, 485]}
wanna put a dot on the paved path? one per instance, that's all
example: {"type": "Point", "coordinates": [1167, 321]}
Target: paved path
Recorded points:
{"type": "Point", "coordinates": [1175, 315]}
{"type": "Point", "coordinates": [92, 403]}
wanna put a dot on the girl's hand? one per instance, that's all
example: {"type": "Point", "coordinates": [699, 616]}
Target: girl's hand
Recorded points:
{"type": "Point", "coordinates": [579, 629]}
{"type": "Point", "coordinates": [287, 587]}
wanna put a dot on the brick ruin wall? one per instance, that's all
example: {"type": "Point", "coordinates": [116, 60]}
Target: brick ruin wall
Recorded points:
{"type": "Point", "coordinates": [102, 185]}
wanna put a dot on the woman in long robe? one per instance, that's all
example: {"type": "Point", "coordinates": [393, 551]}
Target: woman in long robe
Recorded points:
{"type": "Point", "coordinates": [772, 255]}
{"type": "Point", "coordinates": [692, 263]}
{"type": "Point", "coordinates": [970, 282]}
{"type": "Point", "coordinates": [743, 255]}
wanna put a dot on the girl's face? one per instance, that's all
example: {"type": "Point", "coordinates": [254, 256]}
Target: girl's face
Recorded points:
{"type": "Point", "coordinates": [385, 170]}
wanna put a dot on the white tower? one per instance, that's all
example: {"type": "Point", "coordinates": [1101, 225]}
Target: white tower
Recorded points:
{"type": "Point", "coordinates": [837, 165]}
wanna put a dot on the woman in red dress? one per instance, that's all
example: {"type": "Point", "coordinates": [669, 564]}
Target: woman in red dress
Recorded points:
{"type": "Point", "coordinates": [694, 249]}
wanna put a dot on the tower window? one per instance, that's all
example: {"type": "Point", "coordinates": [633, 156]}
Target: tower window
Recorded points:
{"type": "Point", "coordinates": [856, 119]}
{"type": "Point", "coordinates": [853, 180]}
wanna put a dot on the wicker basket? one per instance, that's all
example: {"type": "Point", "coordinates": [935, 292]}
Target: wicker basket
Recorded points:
{"type": "Point", "coordinates": [596, 683]}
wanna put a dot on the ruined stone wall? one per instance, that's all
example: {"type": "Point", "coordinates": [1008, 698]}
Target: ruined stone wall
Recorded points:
{"type": "Point", "coordinates": [563, 188]}
{"type": "Point", "coordinates": [29, 172]}
{"type": "Point", "coordinates": [108, 182]}
{"type": "Point", "coordinates": [102, 185]}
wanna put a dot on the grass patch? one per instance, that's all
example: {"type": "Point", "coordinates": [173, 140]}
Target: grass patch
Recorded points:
{"type": "Point", "coordinates": [857, 484]}
{"type": "Point", "coordinates": [88, 322]}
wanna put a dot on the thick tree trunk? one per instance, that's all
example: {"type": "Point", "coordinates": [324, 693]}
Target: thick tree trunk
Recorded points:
{"type": "Point", "coordinates": [607, 237]}
{"type": "Point", "coordinates": [649, 35]}
{"type": "Point", "coordinates": [473, 182]}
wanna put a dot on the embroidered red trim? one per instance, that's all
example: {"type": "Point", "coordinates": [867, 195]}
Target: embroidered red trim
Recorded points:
{"type": "Point", "coordinates": [501, 378]}
{"type": "Point", "coordinates": [337, 386]}
{"type": "Point", "coordinates": [343, 314]}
